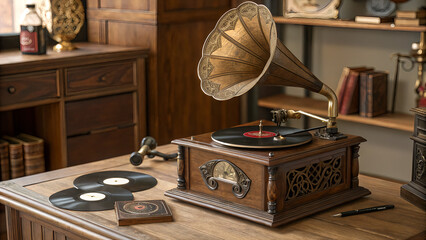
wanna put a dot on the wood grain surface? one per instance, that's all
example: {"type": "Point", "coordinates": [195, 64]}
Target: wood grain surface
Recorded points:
{"type": "Point", "coordinates": [93, 89]}
{"type": "Point", "coordinates": [174, 33]}
{"type": "Point", "coordinates": [191, 222]}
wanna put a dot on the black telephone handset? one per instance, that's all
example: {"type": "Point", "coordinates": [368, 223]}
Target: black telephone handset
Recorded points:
{"type": "Point", "coordinates": [148, 144]}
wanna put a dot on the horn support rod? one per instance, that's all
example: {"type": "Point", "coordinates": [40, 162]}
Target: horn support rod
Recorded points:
{"type": "Point", "coordinates": [332, 111]}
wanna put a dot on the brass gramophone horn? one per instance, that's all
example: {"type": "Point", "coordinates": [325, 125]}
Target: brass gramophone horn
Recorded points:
{"type": "Point", "coordinates": [243, 50]}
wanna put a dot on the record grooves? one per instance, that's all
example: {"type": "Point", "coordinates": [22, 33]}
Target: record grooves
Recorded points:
{"type": "Point", "coordinates": [100, 190]}
{"type": "Point", "coordinates": [96, 199]}
{"type": "Point", "coordinates": [132, 181]}
{"type": "Point", "coordinates": [250, 137]}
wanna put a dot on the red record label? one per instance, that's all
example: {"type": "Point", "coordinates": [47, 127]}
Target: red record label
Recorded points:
{"type": "Point", "coordinates": [140, 207]}
{"type": "Point", "coordinates": [256, 134]}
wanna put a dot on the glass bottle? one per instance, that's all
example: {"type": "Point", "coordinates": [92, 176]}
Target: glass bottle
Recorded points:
{"type": "Point", "coordinates": [33, 35]}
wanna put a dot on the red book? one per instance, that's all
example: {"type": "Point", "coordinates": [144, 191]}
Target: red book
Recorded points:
{"type": "Point", "coordinates": [350, 102]}
{"type": "Point", "coordinates": [341, 86]}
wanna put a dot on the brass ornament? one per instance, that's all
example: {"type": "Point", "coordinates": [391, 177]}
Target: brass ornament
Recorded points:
{"type": "Point", "coordinates": [225, 171]}
{"type": "Point", "coordinates": [63, 20]}
{"type": "Point", "coordinates": [238, 51]}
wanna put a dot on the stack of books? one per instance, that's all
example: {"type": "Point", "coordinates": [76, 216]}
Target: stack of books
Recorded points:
{"type": "Point", "coordinates": [410, 18]}
{"type": "Point", "coordinates": [20, 156]}
{"type": "Point", "coordinates": [4, 160]}
{"type": "Point", "coordinates": [362, 90]}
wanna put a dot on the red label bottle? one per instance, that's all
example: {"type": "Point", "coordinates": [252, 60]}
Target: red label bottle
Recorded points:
{"type": "Point", "coordinates": [33, 35]}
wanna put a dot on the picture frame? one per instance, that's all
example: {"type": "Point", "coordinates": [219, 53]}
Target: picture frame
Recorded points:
{"type": "Point", "coordinates": [326, 9]}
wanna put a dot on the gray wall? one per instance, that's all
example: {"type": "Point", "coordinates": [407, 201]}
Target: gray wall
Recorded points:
{"type": "Point", "coordinates": [387, 152]}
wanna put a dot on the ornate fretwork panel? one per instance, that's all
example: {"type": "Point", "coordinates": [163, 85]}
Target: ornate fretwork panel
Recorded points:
{"type": "Point", "coordinates": [225, 171]}
{"type": "Point", "coordinates": [419, 174]}
{"type": "Point", "coordinates": [314, 178]}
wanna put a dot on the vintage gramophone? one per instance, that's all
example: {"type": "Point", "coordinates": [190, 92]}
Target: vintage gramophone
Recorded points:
{"type": "Point", "coordinates": [263, 172]}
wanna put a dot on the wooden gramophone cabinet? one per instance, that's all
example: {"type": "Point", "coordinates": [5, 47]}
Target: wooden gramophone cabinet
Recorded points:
{"type": "Point", "coordinates": [272, 187]}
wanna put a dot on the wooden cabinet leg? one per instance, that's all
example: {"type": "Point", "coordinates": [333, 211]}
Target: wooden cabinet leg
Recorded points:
{"type": "Point", "coordinates": [181, 166]}
{"type": "Point", "coordinates": [13, 224]}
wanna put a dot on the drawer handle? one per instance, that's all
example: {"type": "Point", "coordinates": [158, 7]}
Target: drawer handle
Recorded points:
{"type": "Point", "coordinates": [11, 89]}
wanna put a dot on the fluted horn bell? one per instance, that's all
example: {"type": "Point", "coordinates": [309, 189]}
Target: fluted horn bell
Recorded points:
{"type": "Point", "coordinates": [243, 50]}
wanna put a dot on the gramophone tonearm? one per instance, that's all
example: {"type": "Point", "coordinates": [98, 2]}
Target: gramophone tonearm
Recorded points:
{"type": "Point", "coordinates": [148, 144]}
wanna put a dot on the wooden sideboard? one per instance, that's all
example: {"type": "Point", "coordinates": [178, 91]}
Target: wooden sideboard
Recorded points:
{"type": "Point", "coordinates": [174, 32]}
{"type": "Point", "coordinates": [29, 212]}
{"type": "Point", "coordinates": [88, 104]}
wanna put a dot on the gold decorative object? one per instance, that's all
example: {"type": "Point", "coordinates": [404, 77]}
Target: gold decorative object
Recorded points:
{"type": "Point", "coordinates": [63, 20]}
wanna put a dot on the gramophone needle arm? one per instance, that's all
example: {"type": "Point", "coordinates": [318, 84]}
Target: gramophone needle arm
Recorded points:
{"type": "Point", "coordinates": [313, 116]}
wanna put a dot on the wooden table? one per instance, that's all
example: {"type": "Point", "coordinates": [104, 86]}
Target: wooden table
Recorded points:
{"type": "Point", "coordinates": [30, 213]}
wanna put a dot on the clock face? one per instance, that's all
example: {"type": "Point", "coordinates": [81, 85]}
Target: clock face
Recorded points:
{"type": "Point", "coordinates": [224, 170]}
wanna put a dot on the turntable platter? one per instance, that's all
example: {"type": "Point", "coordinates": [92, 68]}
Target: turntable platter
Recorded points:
{"type": "Point", "coordinates": [249, 137]}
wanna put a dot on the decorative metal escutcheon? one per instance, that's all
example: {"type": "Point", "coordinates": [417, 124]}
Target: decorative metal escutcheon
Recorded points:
{"type": "Point", "coordinates": [225, 171]}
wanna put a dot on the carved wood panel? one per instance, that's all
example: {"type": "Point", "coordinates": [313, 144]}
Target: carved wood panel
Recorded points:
{"type": "Point", "coordinates": [314, 178]}
{"type": "Point", "coordinates": [419, 174]}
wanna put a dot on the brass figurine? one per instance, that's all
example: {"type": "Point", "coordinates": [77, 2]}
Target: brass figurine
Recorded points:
{"type": "Point", "coordinates": [63, 20]}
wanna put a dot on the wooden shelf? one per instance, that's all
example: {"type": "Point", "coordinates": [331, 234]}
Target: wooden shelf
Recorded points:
{"type": "Point", "coordinates": [347, 24]}
{"type": "Point", "coordinates": [400, 121]}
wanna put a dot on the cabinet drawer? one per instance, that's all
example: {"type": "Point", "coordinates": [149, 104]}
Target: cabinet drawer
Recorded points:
{"type": "Point", "coordinates": [28, 87]}
{"type": "Point", "coordinates": [93, 147]}
{"type": "Point", "coordinates": [420, 126]}
{"type": "Point", "coordinates": [130, 5]}
{"type": "Point", "coordinates": [93, 77]}
{"type": "Point", "coordinates": [91, 114]}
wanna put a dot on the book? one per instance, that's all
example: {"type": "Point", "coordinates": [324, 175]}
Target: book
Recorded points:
{"type": "Point", "coordinates": [341, 85]}
{"type": "Point", "coordinates": [4, 160]}
{"type": "Point", "coordinates": [363, 93]}
{"type": "Point", "coordinates": [16, 158]}
{"type": "Point", "coordinates": [33, 153]}
{"type": "Point", "coordinates": [373, 94]}
{"type": "Point", "coordinates": [144, 211]}
{"type": "Point", "coordinates": [410, 22]}
{"type": "Point", "coordinates": [373, 19]}
{"type": "Point", "coordinates": [411, 14]}
{"type": "Point", "coordinates": [350, 96]}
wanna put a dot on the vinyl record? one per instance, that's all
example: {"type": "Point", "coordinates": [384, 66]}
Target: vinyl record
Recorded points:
{"type": "Point", "coordinates": [96, 199]}
{"type": "Point", "coordinates": [132, 181]}
{"type": "Point", "coordinates": [248, 137]}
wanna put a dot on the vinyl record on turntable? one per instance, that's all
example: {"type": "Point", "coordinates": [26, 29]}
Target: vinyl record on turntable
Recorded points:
{"type": "Point", "coordinates": [132, 181]}
{"type": "Point", "coordinates": [249, 137]}
{"type": "Point", "coordinates": [96, 199]}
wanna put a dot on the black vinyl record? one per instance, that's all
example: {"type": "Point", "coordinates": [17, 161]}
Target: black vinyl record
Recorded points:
{"type": "Point", "coordinates": [249, 137]}
{"type": "Point", "coordinates": [96, 199]}
{"type": "Point", "coordinates": [132, 181]}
